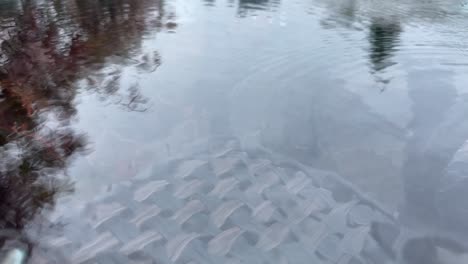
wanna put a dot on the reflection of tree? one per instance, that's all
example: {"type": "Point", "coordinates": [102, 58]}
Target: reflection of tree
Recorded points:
{"type": "Point", "coordinates": [51, 46]}
{"type": "Point", "coordinates": [245, 6]}
{"type": "Point", "coordinates": [33, 163]}
{"type": "Point", "coordinates": [210, 2]}
{"type": "Point", "coordinates": [383, 38]}
{"type": "Point", "coordinates": [250, 5]}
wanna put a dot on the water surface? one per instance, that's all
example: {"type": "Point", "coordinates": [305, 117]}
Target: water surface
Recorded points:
{"type": "Point", "coordinates": [95, 92]}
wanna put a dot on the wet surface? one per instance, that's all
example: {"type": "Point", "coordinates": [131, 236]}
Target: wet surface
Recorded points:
{"type": "Point", "coordinates": [96, 94]}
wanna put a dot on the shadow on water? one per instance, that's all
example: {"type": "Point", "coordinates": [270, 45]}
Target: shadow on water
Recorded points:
{"type": "Point", "coordinates": [47, 49]}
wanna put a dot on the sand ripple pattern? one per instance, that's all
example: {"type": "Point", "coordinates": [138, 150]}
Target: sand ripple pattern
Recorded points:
{"type": "Point", "coordinates": [245, 208]}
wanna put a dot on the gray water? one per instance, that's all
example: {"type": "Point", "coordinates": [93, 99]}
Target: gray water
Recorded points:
{"type": "Point", "coordinates": [373, 90]}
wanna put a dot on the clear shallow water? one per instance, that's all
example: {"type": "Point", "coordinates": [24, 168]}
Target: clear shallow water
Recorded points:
{"type": "Point", "coordinates": [373, 90]}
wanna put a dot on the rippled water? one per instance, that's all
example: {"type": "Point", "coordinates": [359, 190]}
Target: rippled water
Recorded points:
{"type": "Point", "coordinates": [96, 92]}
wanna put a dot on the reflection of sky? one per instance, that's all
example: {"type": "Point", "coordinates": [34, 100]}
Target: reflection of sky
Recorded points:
{"type": "Point", "coordinates": [228, 74]}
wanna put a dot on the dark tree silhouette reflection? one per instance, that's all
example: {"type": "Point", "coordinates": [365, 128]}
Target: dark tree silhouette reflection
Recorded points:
{"type": "Point", "coordinates": [47, 48]}
{"type": "Point", "coordinates": [247, 6]}
{"type": "Point", "coordinates": [210, 2]}
{"type": "Point", "coordinates": [383, 38]}
{"type": "Point", "coordinates": [383, 33]}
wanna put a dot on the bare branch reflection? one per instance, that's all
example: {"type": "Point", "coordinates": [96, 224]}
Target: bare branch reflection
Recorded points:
{"type": "Point", "coordinates": [49, 50]}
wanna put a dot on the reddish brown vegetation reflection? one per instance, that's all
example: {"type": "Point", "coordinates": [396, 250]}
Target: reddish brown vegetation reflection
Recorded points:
{"type": "Point", "coordinates": [46, 49]}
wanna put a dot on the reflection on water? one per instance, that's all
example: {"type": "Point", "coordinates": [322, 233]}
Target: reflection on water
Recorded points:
{"type": "Point", "coordinates": [336, 129]}
{"type": "Point", "coordinates": [46, 49]}
{"type": "Point", "coordinates": [245, 7]}
{"type": "Point", "coordinates": [437, 129]}
{"type": "Point", "coordinates": [383, 38]}
{"type": "Point", "coordinates": [250, 5]}
{"type": "Point", "coordinates": [296, 77]}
